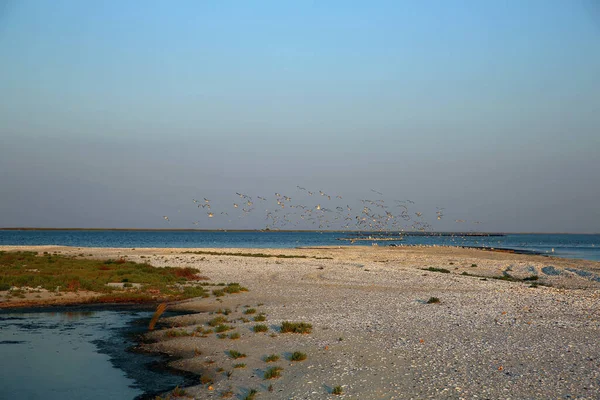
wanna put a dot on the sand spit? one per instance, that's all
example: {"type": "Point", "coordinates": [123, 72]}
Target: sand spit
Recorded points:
{"type": "Point", "coordinates": [374, 333]}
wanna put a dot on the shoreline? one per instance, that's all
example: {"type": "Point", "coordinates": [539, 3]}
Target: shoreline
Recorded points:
{"type": "Point", "coordinates": [435, 233]}
{"type": "Point", "coordinates": [492, 328]}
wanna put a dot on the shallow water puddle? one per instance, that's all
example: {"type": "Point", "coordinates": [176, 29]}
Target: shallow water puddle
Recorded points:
{"type": "Point", "coordinates": [77, 354]}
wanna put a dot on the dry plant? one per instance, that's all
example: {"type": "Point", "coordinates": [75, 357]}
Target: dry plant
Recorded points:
{"type": "Point", "coordinates": [159, 311]}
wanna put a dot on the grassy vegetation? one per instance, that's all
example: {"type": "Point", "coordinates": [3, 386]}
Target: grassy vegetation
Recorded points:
{"type": "Point", "coordinates": [433, 300]}
{"type": "Point", "coordinates": [434, 269]}
{"type": "Point", "coordinates": [71, 274]}
{"type": "Point", "coordinates": [178, 392]}
{"type": "Point", "coordinates": [260, 317]}
{"type": "Point", "coordinates": [250, 311]}
{"type": "Point", "coordinates": [272, 358]}
{"type": "Point", "coordinates": [272, 373]}
{"type": "Point", "coordinates": [235, 287]}
{"type": "Point", "coordinates": [260, 328]}
{"type": "Point", "coordinates": [177, 333]}
{"type": "Point", "coordinates": [337, 390]}
{"type": "Point", "coordinates": [222, 328]}
{"type": "Point", "coordinates": [240, 365]}
{"type": "Point", "coordinates": [259, 255]}
{"type": "Point", "coordinates": [251, 394]}
{"type": "Point", "coordinates": [509, 278]}
{"type": "Point", "coordinates": [217, 321]}
{"type": "Point", "coordinates": [236, 354]}
{"type": "Point", "coordinates": [296, 327]}
{"type": "Point", "coordinates": [234, 336]}
{"type": "Point", "coordinates": [298, 356]}
{"type": "Point", "coordinates": [203, 332]}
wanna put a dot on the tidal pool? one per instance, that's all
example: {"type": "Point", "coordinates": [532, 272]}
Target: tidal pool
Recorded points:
{"type": "Point", "coordinates": [79, 354]}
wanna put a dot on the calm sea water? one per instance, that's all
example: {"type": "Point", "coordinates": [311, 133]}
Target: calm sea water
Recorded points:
{"type": "Point", "coordinates": [564, 245]}
{"type": "Point", "coordinates": [77, 355]}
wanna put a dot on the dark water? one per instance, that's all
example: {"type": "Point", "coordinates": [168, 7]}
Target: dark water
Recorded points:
{"type": "Point", "coordinates": [78, 355]}
{"type": "Point", "coordinates": [564, 245]}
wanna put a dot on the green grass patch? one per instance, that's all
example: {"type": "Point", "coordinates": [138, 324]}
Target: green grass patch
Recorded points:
{"type": "Point", "coordinates": [296, 327]}
{"type": "Point", "coordinates": [177, 333]}
{"type": "Point", "coordinates": [250, 311]}
{"type": "Point", "coordinates": [232, 288]}
{"type": "Point", "coordinates": [236, 354]}
{"type": "Point", "coordinates": [272, 373]}
{"type": "Point", "coordinates": [272, 358]}
{"type": "Point", "coordinates": [222, 328]}
{"type": "Point", "coordinates": [260, 328]}
{"type": "Point", "coordinates": [217, 321]}
{"type": "Point", "coordinates": [260, 318]}
{"type": "Point", "coordinates": [298, 356]}
{"type": "Point", "coordinates": [337, 390]}
{"type": "Point", "coordinates": [239, 365]}
{"type": "Point", "coordinates": [251, 394]}
{"type": "Point", "coordinates": [71, 274]}
{"type": "Point", "coordinates": [433, 300]}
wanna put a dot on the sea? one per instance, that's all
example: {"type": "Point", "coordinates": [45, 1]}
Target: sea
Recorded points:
{"type": "Point", "coordinates": [578, 246]}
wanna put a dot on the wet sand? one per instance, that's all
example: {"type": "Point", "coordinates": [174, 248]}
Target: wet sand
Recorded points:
{"type": "Point", "coordinates": [374, 333]}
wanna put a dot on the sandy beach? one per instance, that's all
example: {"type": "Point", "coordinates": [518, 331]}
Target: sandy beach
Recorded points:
{"type": "Point", "coordinates": [374, 333]}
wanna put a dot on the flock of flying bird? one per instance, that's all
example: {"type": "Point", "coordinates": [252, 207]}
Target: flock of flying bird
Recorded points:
{"type": "Point", "coordinates": [321, 211]}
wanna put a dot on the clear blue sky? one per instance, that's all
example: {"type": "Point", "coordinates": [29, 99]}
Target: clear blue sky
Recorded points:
{"type": "Point", "coordinates": [113, 114]}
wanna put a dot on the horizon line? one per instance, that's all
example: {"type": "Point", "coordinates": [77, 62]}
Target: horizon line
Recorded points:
{"type": "Point", "coordinates": [283, 230]}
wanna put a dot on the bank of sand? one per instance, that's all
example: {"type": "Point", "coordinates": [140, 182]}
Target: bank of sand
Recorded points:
{"type": "Point", "coordinates": [373, 332]}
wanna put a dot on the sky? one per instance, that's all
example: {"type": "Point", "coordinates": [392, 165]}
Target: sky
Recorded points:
{"type": "Point", "coordinates": [116, 114]}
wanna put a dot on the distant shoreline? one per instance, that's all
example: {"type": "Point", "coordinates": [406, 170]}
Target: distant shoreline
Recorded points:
{"type": "Point", "coordinates": [440, 233]}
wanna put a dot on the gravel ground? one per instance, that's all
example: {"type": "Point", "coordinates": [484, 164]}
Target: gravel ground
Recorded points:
{"type": "Point", "coordinates": [374, 333]}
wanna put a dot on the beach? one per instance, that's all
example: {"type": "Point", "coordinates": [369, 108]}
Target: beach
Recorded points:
{"type": "Point", "coordinates": [504, 325]}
